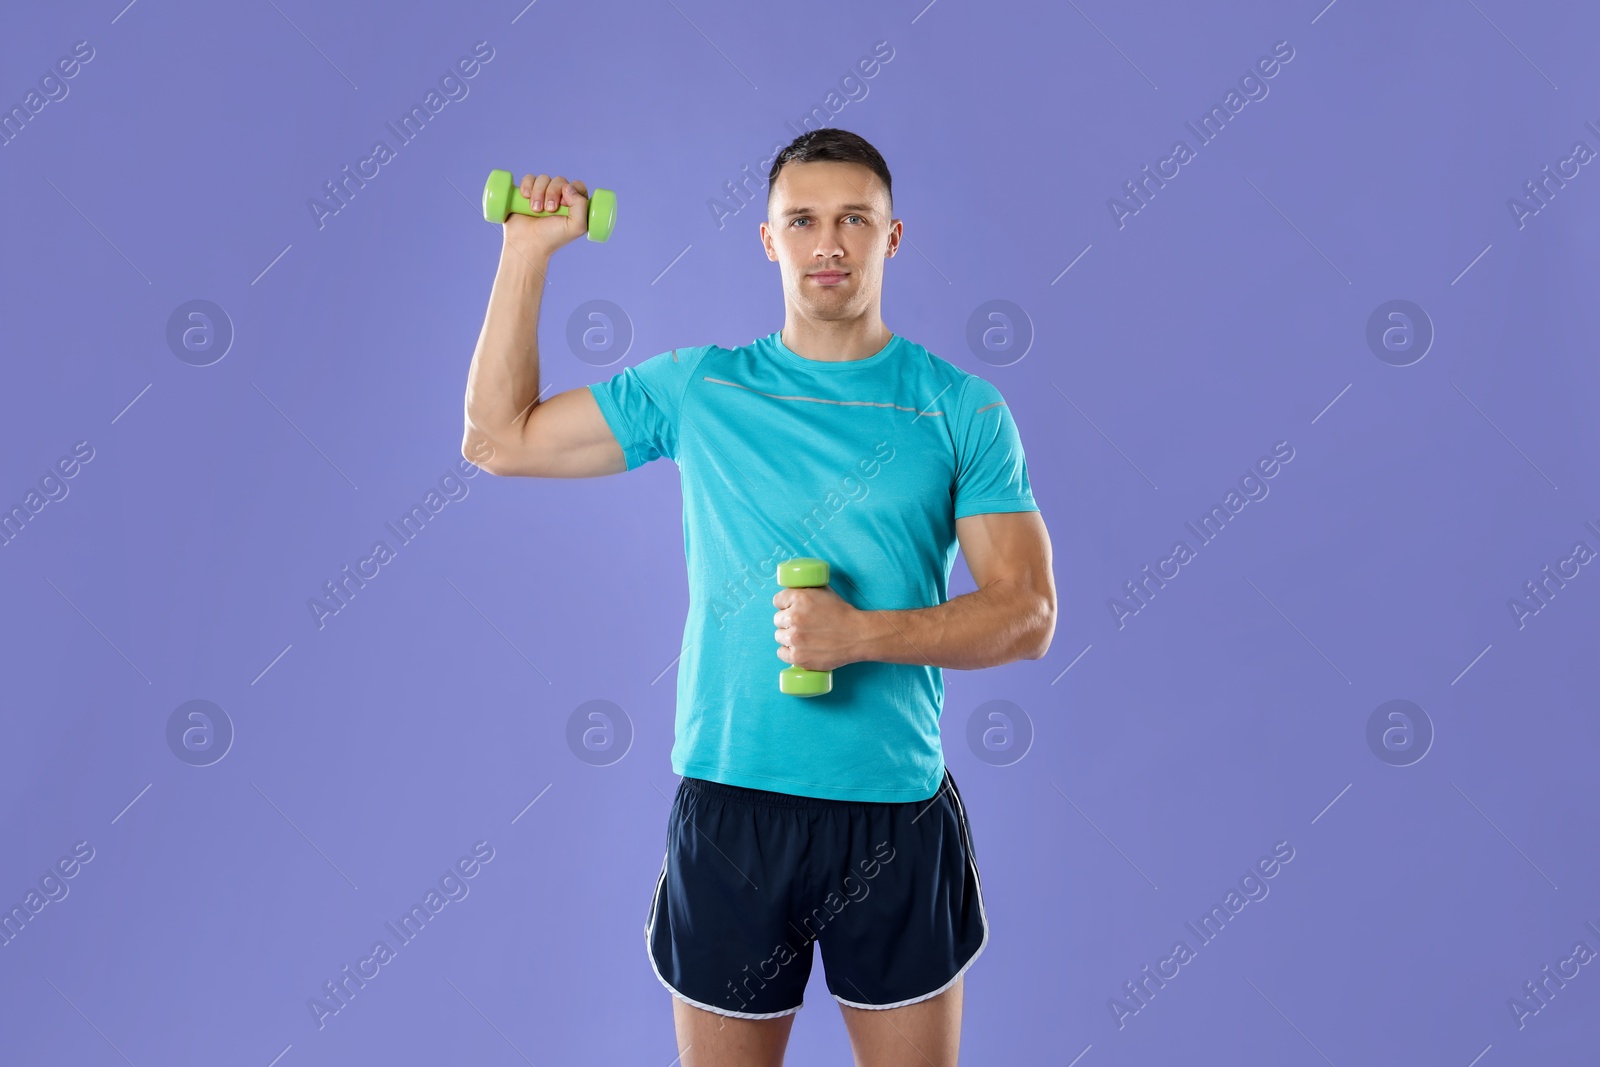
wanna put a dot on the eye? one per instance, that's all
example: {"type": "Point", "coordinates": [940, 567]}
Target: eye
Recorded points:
{"type": "Point", "coordinates": [856, 217]}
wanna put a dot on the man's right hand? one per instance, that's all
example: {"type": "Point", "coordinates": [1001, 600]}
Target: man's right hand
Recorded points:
{"type": "Point", "coordinates": [542, 236]}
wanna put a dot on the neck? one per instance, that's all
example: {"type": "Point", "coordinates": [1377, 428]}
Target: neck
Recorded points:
{"type": "Point", "coordinates": [835, 340]}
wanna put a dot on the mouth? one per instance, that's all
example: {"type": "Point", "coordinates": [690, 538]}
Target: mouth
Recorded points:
{"type": "Point", "coordinates": [828, 277]}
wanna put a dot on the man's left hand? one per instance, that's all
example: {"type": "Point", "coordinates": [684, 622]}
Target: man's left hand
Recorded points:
{"type": "Point", "coordinates": [816, 628]}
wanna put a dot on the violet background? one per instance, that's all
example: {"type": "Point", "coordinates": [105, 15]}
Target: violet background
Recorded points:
{"type": "Point", "coordinates": [1167, 755]}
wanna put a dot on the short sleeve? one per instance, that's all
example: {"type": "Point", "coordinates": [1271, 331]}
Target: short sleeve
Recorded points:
{"type": "Point", "coordinates": [991, 470]}
{"type": "Point", "coordinates": [641, 404]}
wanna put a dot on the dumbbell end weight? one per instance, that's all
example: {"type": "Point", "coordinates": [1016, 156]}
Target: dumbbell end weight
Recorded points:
{"type": "Point", "coordinates": [803, 572]}
{"type": "Point", "coordinates": [501, 198]}
{"type": "Point", "coordinates": [800, 682]}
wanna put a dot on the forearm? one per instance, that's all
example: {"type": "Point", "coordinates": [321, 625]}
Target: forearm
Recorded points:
{"type": "Point", "coordinates": [503, 381]}
{"type": "Point", "coordinates": [997, 624]}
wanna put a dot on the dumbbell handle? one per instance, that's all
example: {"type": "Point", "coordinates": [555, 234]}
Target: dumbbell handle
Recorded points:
{"type": "Point", "coordinates": [803, 573]}
{"type": "Point", "coordinates": [522, 206]}
{"type": "Point", "coordinates": [502, 196]}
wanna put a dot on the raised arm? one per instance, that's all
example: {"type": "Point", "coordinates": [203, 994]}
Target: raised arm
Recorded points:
{"type": "Point", "coordinates": [509, 430]}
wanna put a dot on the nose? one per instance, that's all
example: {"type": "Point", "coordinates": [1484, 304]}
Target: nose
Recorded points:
{"type": "Point", "coordinates": [827, 238]}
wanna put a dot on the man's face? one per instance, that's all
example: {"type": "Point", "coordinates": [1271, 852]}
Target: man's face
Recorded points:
{"type": "Point", "coordinates": [829, 230]}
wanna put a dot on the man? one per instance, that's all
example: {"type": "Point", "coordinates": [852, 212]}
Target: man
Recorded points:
{"type": "Point", "coordinates": [831, 818]}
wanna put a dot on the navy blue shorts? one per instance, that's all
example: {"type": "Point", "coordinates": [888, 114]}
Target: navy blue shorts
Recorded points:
{"type": "Point", "coordinates": [751, 878]}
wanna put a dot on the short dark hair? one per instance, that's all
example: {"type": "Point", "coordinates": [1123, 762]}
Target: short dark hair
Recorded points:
{"type": "Point", "coordinates": [831, 145]}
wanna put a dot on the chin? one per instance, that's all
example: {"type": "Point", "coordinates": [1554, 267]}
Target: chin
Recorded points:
{"type": "Point", "coordinates": [831, 309]}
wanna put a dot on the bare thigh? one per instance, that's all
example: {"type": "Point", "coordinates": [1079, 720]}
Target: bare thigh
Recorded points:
{"type": "Point", "coordinates": [706, 1039]}
{"type": "Point", "coordinates": [924, 1034]}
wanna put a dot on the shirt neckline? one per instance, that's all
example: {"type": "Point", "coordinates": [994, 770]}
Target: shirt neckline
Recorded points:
{"type": "Point", "coordinates": [877, 358]}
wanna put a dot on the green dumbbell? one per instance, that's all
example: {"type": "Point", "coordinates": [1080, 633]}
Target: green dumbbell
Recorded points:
{"type": "Point", "coordinates": [501, 197]}
{"type": "Point", "coordinates": [803, 573]}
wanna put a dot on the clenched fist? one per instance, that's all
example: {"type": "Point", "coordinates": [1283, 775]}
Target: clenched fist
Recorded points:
{"type": "Point", "coordinates": [816, 628]}
{"type": "Point", "coordinates": [542, 236]}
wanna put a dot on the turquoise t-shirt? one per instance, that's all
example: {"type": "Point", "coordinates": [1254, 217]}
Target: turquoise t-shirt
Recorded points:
{"type": "Point", "coordinates": [866, 464]}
